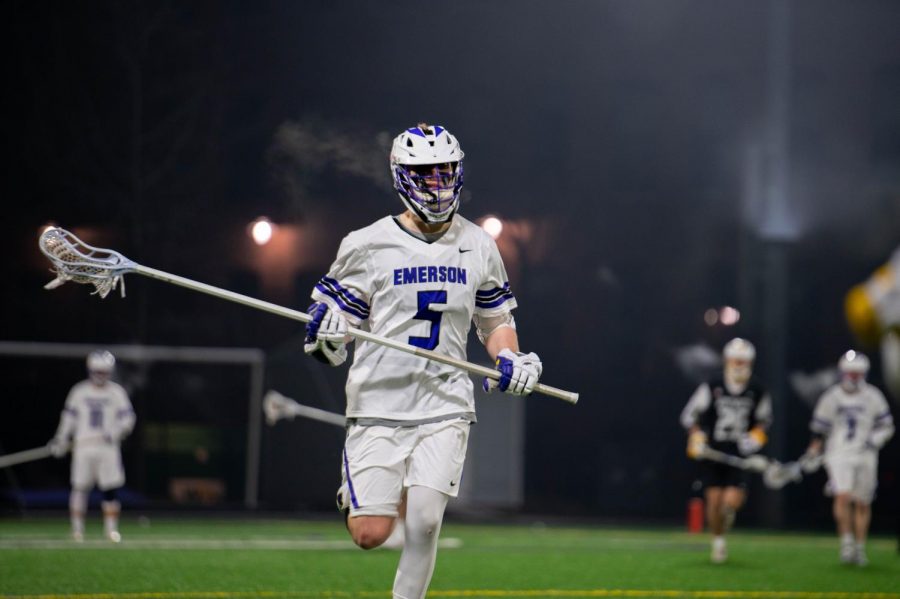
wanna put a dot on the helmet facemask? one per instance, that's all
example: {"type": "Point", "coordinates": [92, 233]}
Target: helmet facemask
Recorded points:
{"type": "Point", "coordinates": [739, 355]}
{"type": "Point", "coordinates": [738, 371]}
{"type": "Point", "coordinates": [430, 190]}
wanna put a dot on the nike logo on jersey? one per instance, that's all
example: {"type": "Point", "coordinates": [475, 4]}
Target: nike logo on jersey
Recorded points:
{"type": "Point", "coordinates": [462, 251]}
{"type": "Point", "coordinates": [452, 483]}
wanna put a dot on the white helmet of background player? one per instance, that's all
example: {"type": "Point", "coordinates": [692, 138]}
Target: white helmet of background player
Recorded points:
{"type": "Point", "coordinates": [100, 365]}
{"type": "Point", "coordinates": [738, 355]}
{"type": "Point", "coordinates": [854, 367]}
{"type": "Point", "coordinates": [427, 168]}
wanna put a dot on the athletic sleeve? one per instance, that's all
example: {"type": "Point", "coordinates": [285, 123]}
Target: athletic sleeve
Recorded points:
{"type": "Point", "coordinates": [493, 296]}
{"type": "Point", "coordinates": [696, 406]}
{"type": "Point", "coordinates": [346, 286]}
{"type": "Point", "coordinates": [823, 415]}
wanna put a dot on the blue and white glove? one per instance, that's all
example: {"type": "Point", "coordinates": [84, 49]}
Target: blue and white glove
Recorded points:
{"type": "Point", "coordinates": [519, 372]}
{"type": "Point", "coordinates": [326, 335]}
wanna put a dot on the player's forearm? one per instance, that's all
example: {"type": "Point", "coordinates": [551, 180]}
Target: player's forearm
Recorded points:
{"type": "Point", "coordinates": [502, 338]}
{"type": "Point", "coordinates": [66, 426]}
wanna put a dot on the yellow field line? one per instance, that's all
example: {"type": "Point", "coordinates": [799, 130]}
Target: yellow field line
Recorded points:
{"type": "Point", "coordinates": [472, 593]}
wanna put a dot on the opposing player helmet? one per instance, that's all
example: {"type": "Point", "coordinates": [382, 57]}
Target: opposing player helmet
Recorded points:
{"type": "Point", "coordinates": [427, 168]}
{"type": "Point", "coordinates": [739, 349]}
{"type": "Point", "coordinates": [739, 355]}
{"type": "Point", "coordinates": [101, 361]}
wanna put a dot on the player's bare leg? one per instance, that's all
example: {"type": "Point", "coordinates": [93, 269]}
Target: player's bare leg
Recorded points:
{"type": "Point", "coordinates": [369, 532]}
{"type": "Point", "coordinates": [844, 521]}
{"type": "Point", "coordinates": [424, 514]}
{"type": "Point", "coordinates": [862, 516]}
{"type": "Point", "coordinates": [111, 511]}
{"type": "Point", "coordinates": [78, 501]}
{"type": "Point", "coordinates": [716, 521]}
{"type": "Point", "coordinates": [732, 501]}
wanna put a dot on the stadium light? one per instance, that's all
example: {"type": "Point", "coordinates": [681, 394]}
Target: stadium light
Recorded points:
{"type": "Point", "coordinates": [261, 230]}
{"type": "Point", "coordinates": [493, 226]}
{"type": "Point", "coordinates": [711, 317]}
{"type": "Point", "coordinates": [729, 316]}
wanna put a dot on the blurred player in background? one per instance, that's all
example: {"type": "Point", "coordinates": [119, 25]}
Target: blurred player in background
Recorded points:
{"type": "Point", "coordinates": [852, 422]}
{"type": "Point", "coordinates": [730, 414]}
{"type": "Point", "coordinates": [423, 278]}
{"type": "Point", "coordinates": [97, 415]}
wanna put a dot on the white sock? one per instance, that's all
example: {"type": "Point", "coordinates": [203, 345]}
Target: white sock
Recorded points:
{"type": "Point", "coordinates": [424, 513]}
{"type": "Point", "coordinates": [77, 507]}
{"type": "Point", "coordinates": [847, 539]}
{"type": "Point", "coordinates": [111, 511]}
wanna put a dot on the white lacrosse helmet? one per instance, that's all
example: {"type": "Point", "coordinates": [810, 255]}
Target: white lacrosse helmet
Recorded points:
{"type": "Point", "coordinates": [854, 367]}
{"type": "Point", "coordinates": [739, 349]}
{"type": "Point", "coordinates": [101, 361]}
{"type": "Point", "coordinates": [739, 355]}
{"type": "Point", "coordinates": [427, 168]}
{"type": "Point", "coordinates": [854, 362]}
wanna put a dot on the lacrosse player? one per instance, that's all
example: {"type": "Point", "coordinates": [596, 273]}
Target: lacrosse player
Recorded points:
{"type": "Point", "coordinates": [851, 423]}
{"type": "Point", "coordinates": [730, 414]}
{"type": "Point", "coordinates": [98, 414]}
{"type": "Point", "coordinates": [423, 278]}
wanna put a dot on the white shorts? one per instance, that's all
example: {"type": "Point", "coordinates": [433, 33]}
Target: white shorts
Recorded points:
{"type": "Point", "coordinates": [99, 465]}
{"type": "Point", "coordinates": [854, 475]}
{"type": "Point", "coordinates": [380, 461]}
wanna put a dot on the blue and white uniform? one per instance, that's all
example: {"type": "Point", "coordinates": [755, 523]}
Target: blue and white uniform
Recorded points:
{"type": "Point", "coordinates": [97, 417]}
{"type": "Point", "coordinates": [855, 425]}
{"type": "Point", "coordinates": [409, 417]}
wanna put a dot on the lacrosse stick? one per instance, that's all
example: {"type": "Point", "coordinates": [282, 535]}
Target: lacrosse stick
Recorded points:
{"type": "Point", "coordinates": [777, 475]}
{"type": "Point", "coordinates": [753, 463]}
{"type": "Point", "coordinates": [278, 407]}
{"type": "Point", "coordinates": [21, 457]}
{"type": "Point", "coordinates": [73, 260]}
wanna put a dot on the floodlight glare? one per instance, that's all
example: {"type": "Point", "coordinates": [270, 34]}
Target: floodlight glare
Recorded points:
{"type": "Point", "coordinates": [261, 231]}
{"type": "Point", "coordinates": [493, 226]}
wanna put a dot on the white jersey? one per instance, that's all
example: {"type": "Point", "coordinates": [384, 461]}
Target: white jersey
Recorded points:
{"type": "Point", "coordinates": [93, 413]}
{"type": "Point", "coordinates": [852, 422]}
{"type": "Point", "coordinates": [393, 284]}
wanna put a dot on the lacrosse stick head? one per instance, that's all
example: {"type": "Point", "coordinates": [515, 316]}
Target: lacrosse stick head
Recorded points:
{"type": "Point", "coordinates": [756, 463]}
{"type": "Point", "coordinates": [777, 475]}
{"type": "Point", "coordinates": [276, 407]}
{"type": "Point", "coordinates": [74, 260]}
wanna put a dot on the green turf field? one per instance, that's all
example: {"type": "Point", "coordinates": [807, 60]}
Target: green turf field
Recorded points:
{"type": "Point", "coordinates": [221, 559]}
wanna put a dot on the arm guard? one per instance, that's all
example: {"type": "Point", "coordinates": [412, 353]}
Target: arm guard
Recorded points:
{"type": "Point", "coordinates": [485, 325]}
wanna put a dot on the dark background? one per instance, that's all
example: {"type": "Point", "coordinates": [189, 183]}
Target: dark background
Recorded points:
{"type": "Point", "coordinates": [652, 159]}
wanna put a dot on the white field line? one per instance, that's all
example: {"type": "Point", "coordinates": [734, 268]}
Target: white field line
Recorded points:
{"type": "Point", "coordinates": [203, 544]}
